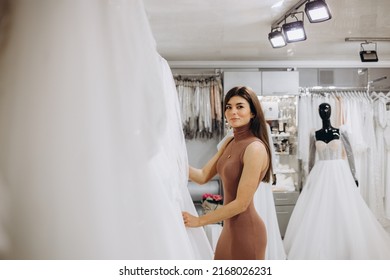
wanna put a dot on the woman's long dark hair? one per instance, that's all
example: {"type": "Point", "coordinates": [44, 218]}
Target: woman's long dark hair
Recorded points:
{"type": "Point", "coordinates": [258, 124]}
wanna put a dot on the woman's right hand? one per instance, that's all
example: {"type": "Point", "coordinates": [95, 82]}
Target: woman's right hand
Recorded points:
{"type": "Point", "coordinates": [190, 220]}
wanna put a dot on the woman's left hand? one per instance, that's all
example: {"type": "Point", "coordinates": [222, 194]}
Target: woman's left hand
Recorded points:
{"type": "Point", "coordinates": [190, 220]}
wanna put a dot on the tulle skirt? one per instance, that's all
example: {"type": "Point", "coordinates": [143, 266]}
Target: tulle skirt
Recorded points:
{"type": "Point", "coordinates": [265, 206]}
{"type": "Point", "coordinates": [332, 221]}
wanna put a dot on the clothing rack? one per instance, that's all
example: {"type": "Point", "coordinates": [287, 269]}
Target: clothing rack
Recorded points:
{"type": "Point", "coordinates": [197, 75]}
{"type": "Point", "coordinates": [200, 97]}
{"type": "Point", "coordinates": [372, 89]}
{"type": "Point", "coordinates": [372, 93]}
{"type": "Point", "coordinates": [332, 89]}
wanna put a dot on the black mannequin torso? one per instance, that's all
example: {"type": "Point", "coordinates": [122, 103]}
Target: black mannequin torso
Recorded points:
{"type": "Point", "coordinates": [327, 134]}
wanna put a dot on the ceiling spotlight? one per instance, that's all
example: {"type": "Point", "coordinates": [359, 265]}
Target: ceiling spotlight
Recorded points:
{"type": "Point", "coordinates": [317, 11]}
{"type": "Point", "coordinates": [276, 38]}
{"type": "Point", "coordinates": [368, 55]}
{"type": "Point", "coordinates": [294, 31]}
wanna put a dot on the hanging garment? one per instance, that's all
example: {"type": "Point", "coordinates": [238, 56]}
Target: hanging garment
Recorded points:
{"type": "Point", "coordinates": [380, 158]}
{"type": "Point", "coordinates": [386, 136]}
{"type": "Point", "coordinates": [85, 119]}
{"type": "Point", "coordinates": [200, 103]}
{"type": "Point", "coordinates": [331, 220]}
{"type": "Point", "coordinates": [173, 160]}
{"type": "Point", "coordinates": [372, 192]}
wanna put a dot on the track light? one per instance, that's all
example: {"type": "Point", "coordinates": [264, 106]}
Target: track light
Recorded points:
{"type": "Point", "coordinates": [317, 11]}
{"type": "Point", "coordinates": [276, 38]}
{"type": "Point", "coordinates": [368, 55]}
{"type": "Point", "coordinates": [294, 31]}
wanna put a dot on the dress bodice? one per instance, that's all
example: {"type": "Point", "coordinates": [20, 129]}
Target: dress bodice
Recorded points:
{"type": "Point", "coordinates": [329, 151]}
{"type": "Point", "coordinates": [332, 150]}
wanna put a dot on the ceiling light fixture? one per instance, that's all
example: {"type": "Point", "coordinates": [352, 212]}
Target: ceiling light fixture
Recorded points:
{"type": "Point", "coordinates": [277, 38]}
{"type": "Point", "coordinates": [368, 55]}
{"type": "Point", "coordinates": [317, 11]}
{"type": "Point", "coordinates": [294, 31]}
{"type": "Point", "coordinates": [368, 49]}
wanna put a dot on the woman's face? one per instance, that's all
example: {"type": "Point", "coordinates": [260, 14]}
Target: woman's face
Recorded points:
{"type": "Point", "coordinates": [238, 111]}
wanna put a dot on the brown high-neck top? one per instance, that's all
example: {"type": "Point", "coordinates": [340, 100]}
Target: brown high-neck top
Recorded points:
{"type": "Point", "coordinates": [244, 235]}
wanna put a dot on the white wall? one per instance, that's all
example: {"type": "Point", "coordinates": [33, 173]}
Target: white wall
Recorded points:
{"type": "Point", "coordinates": [200, 151]}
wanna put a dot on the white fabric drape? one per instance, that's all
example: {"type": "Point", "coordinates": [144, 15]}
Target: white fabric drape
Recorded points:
{"type": "Point", "coordinates": [382, 130]}
{"type": "Point", "coordinates": [89, 137]}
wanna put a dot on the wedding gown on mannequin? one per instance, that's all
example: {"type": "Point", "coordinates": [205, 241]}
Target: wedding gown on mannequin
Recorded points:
{"type": "Point", "coordinates": [331, 220]}
{"type": "Point", "coordinates": [91, 150]}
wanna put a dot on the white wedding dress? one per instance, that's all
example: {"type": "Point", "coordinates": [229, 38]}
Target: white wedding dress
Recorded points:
{"type": "Point", "coordinates": [265, 206]}
{"type": "Point", "coordinates": [331, 220]}
{"type": "Point", "coordinates": [91, 147]}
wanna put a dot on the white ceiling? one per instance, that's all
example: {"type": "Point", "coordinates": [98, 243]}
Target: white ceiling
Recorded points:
{"type": "Point", "coordinates": [237, 30]}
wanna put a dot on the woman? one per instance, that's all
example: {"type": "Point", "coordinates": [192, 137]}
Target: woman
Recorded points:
{"type": "Point", "coordinates": [242, 163]}
{"type": "Point", "coordinates": [265, 206]}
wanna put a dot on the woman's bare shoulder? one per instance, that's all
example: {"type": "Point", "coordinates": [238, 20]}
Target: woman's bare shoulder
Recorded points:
{"type": "Point", "coordinates": [257, 147]}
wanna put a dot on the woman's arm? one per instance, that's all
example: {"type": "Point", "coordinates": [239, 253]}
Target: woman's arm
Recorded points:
{"type": "Point", "coordinates": [255, 164]}
{"type": "Point", "coordinates": [203, 175]}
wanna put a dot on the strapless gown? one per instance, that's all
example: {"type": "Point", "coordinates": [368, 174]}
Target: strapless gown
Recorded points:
{"type": "Point", "coordinates": [331, 220]}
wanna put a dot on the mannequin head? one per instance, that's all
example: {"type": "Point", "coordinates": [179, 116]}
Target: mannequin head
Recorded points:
{"type": "Point", "coordinates": [324, 110]}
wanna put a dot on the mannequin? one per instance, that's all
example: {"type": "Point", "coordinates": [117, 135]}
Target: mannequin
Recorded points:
{"type": "Point", "coordinates": [327, 133]}
{"type": "Point", "coordinates": [330, 220]}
